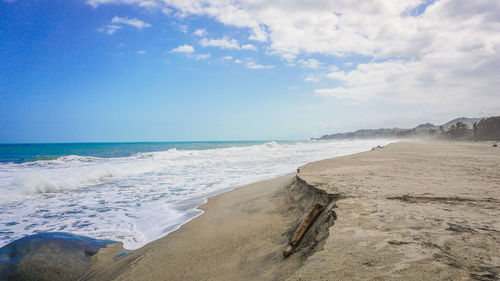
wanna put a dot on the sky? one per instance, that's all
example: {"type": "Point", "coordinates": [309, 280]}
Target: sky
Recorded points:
{"type": "Point", "coordinates": [195, 70]}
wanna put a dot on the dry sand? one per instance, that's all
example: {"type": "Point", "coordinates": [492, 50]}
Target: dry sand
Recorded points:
{"type": "Point", "coordinates": [408, 211]}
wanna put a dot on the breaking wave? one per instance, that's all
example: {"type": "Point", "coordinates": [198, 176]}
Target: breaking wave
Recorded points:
{"type": "Point", "coordinates": [139, 198]}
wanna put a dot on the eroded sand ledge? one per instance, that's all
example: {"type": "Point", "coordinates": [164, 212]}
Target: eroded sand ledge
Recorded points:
{"type": "Point", "coordinates": [409, 211]}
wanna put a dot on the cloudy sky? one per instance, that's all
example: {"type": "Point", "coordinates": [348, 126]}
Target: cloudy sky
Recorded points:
{"type": "Point", "coordinates": [159, 70]}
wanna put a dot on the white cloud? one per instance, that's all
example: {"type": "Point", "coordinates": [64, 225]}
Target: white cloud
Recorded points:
{"type": "Point", "coordinates": [249, 47]}
{"type": "Point", "coordinates": [253, 65]}
{"type": "Point", "coordinates": [310, 63]}
{"type": "Point", "coordinates": [200, 56]}
{"type": "Point", "coordinates": [259, 34]}
{"type": "Point", "coordinates": [185, 49]}
{"type": "Point", "coordinates": [110, 28]}
{"type": "Point", "coordinates": [227, 58]}
{"type": "Point", "coordinates": [118, 22]}
{"type": "Point", "coordinates": [166, 11]}
{"type": "Point", "coordinates": [189, 51]}
{"type": "Point", "coordinates": [311, 79]}
{"type": "Point", "coordinates": [226, 43]}
{"type": "Point", "coordinates": [448, 54]}
{"type": "Point", "coordinates": [131, 22]}
{"type": "Point", "coordinates": [141, 52]}
{"type": "Point", "coordinates": [223, 43]}
{"type": "Point", "coordinates": [288, 57]}
{"type": "Point", "coordinates": [237, 61]}
{"type": "Point", "coordinates": [226, 12]}
{"type": "Point", "coordinates": [338, 27]}
{"type": "Point", "coordinates": [149, 4]}
{"type": "Point", "coordinates": [458, 80]}
{"type": "Point", "coordinates": [201, 32]}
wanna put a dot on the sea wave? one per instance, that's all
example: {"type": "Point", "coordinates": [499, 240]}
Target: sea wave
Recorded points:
{"type": "Point", "coordinates": [67, 173]}
{"type": "Point", "coordinates": [139, 198]}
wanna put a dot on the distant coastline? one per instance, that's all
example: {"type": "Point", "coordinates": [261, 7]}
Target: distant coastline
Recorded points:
{"type": "Point", "coordinates": [482, 128]}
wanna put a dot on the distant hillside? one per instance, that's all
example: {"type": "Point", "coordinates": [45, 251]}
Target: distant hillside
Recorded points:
{"type": "Point", "coordinates": [427, 129]}
{"type": "Point", "coordinates": [487, 129]}
{"type": "Point", "coordinates": [363, 133]}
{"type": "Point", "coordinates": [468, 121]}
{"type": "Point", "coordinates": [426, 126]}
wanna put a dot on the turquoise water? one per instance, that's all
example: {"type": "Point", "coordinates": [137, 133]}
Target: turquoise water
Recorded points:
{"type": "Point", "coordinates": [136, 192]}
{"type": "Point", "coordinates": [20, 153]}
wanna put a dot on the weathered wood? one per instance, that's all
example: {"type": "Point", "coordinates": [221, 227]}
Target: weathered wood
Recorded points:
{"type": "Point", "coordinates": [307, 221]}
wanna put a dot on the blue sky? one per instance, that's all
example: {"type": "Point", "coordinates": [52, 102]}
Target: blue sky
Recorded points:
{"type": "Point", "coordinates": [109, 70]}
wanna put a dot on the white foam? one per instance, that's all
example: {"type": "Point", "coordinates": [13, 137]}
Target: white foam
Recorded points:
{"type": "Point", "coordinates": [143, 197]}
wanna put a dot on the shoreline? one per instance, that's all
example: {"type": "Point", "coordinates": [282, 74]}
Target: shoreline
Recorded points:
{"type": "Point", "coordinates": [271, 204]}
{"type": "Point", "coordinates": [390, 224]}
{"type": "Point", "coordinates": [411, 210]}
{"type": "Point", "coordinates": [131, 194]}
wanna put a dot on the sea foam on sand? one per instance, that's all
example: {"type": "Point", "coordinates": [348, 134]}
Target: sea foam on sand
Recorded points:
{"type": "Point", "coordinates": [143, 197]}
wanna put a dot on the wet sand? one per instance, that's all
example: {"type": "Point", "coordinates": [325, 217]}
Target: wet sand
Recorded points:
{"type": "Point", "coordinates": [410, 211]}
{"type": "Point", "coordinates": [241, 236]}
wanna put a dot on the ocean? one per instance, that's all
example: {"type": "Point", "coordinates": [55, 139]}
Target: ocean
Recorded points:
{"type": "Point", "coordinates": [137, 192]}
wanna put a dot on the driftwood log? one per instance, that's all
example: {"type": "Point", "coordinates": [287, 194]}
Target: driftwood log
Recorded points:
{"type": "Point", "coordinates": [307, 221]}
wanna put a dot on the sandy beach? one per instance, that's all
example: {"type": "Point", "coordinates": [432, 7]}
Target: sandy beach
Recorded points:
{"type": "Point", "coordinates": [409, 211]}
{"type": "Point", "coordinates": [150, 140]}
